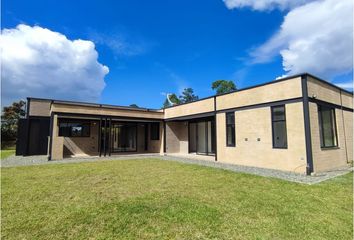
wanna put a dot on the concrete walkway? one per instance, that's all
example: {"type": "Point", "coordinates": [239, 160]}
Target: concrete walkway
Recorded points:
{"type": "Point", "coordinates": [14, 161]}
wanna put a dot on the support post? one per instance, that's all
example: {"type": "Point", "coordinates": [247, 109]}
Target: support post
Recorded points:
{"type": "Point", "coordinates": [110, 137]}
{"type": "Point", "coordinates": [100, 137]}
{"type": "Point", "coordinates": [306, 110]}
{"type": "Point", "coordinates": [104, 136]}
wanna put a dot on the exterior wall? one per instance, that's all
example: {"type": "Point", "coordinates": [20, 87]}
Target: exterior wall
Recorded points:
{"type": "Point", "coordinates": [82, 109]}
{"type": "Point", "coordinates": [57, 142]}
{"type": "Point", "coordinates": [348, 124]}
{"type": "Point", "coordinates": [83, 145]}
{"type": "Point", "coordinates": [347, 100]}
{"type": "Point", "coordinates": [202, 106]}
{"type": "Point", "coordinates": [268, 93]}
{"type": "Point", "coordinates": [256, 123]}
{"type": "Point", "coordinates": [177, 137]}
{"type": "Point", "coordinates": [323, 91]}
{"type": "Point", "coordinates": [327, 159]}
{"type": "Point", "coordinates": [156, 146]}
{"type": "Point", "coordinates": [39, 107]}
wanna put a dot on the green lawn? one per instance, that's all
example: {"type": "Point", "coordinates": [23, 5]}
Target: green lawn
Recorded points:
{"type": "Point", "coordinates": [6, 153]}
{"type": "Point", "coordinates": [156, 199]}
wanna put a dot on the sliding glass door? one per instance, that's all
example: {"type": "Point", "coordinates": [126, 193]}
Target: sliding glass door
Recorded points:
{"type": "Point", "coordinates": [124, 137]}
{"type": "Point", "coordinates": [202, 137]}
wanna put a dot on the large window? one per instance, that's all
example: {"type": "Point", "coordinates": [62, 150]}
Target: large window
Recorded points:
{"type": "Point", "coordinates": [230, 129]}
{"type": "Point", "coordinates": [279, 127]}
{"type": "Point", "coordinates": [74, 129]}
{"type": "Point", "coordinates": [155, 131]}
{"type": "Point", "coordinates": [327, 122]}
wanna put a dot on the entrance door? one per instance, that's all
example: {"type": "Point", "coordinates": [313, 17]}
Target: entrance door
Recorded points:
{"type": "Point", "coordinates": [202, 137]}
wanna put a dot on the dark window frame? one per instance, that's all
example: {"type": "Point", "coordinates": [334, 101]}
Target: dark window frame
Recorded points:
{"type": "Point", "coordinates": [155, 136]}
{"type": "Point", "coordinates": [233, 127]}
{"type": "Point", "coordinates": [273, 132]}
{"type": "Point", "coordinates": [70, 129]}
{"type": "Point", "coordinates": [333, 123]}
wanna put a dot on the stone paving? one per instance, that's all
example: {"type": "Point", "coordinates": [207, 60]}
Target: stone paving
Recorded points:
{"type": "Point", "coordinates": [14, 161]}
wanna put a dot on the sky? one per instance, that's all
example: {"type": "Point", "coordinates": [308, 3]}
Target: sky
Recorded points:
{"type": "Point", "coordinates": [134, 52]}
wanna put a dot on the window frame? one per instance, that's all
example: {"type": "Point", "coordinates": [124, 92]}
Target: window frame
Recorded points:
{"type": "Point", "coordinates": [333, 128]}
{"type": "Point", "coordinates": [80, 123]}
{"type": "Point", "coordinates": [233, 126]}
{"type": "Point", "coordinates": [273, 121]}
{"type": "Point", "coordinates": [152, 136]}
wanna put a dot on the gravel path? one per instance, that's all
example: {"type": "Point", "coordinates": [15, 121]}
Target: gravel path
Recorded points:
{"type": "Point", "coordinates": [14, 161]}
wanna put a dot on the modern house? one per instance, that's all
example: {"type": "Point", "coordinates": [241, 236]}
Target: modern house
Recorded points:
{"type": "Point", "coordinates": [299, 123]}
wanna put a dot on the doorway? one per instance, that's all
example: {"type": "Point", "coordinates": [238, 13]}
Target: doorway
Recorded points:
{"type": "Point", "coordinates": [202, 137]}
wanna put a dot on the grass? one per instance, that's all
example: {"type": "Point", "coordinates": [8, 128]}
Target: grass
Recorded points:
{"type": "Point", "coordinates": [156, 199]}
{"type": "Point", "coordinates": [6, 153]}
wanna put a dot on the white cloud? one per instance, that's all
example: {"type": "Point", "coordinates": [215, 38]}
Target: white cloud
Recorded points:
{"type": "Point", "coordinates": [122, 43]}
{"type": "Point", "coordinates": [346, 85]}
{"type": "Point", "coordinates": [261, 5]}
{"type": "Point", "coordinates": [38, 62]}
{"type": "Point", "coordinates": [316, 37]}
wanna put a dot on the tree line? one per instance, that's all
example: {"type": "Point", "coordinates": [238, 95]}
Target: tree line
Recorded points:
{"type": "Point", "coordinates": [220, 86]}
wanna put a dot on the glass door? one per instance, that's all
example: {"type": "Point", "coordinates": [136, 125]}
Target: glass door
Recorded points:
{"type": "Point", "coordinates": [202, 137]}
{"type": "Point", "coordinates": [123, 136]}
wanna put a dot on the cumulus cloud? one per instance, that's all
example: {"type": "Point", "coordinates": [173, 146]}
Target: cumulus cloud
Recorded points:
{"type": "Point", "coordinates": [39, 62]}
{"type": "Point", "coordinates": [315, 37]}
{"type": "Point", "coordinates": [261, 5]}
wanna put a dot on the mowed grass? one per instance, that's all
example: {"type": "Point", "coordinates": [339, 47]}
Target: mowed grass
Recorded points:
{"type": "Point", "coordinates": [6, 153]}
{"type": "Point", "coordinates": [156, 199]}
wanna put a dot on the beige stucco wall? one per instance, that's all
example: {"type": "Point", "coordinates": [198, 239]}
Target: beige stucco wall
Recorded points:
{"type": "Point", "coordinates": [256, 123]}
{"type": "Point", "coordinates": [177, 137]}
{"type": "Point", "coordinates": [156, 146]}
{"type": "Point", "coordinates": [39, 107]}
{"type": "Point", "coordinates": [327, 159]}
{"type": "Point", "coordinates": [268, 93]}
{"type": "Point", "coordinates": [202, 106]}
{"type": "Point", "coordinates": [57, 142]}
{"type": "Point", "coordinates": [83, 145]}
{"type": "Point", "coordinates": [328, 93]}
{"type": "Point", "coordinates": [348, 124]}
{"type": "Point", "coordinates": [65, 108]}
{"type": "Point", "coordinates": [347, 100]}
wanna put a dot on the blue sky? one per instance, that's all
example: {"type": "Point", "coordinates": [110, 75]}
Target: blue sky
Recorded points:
{"type": "Point", "coordinates": [157, 47]}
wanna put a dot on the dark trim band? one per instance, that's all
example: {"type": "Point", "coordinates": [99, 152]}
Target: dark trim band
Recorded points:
{"type": "Point", "coordinates": [113, 117]}
{"type": "Point", "coordinates": [328, 104]}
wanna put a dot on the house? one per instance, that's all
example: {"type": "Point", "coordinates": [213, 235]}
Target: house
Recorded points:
{"type": "Point", "coordinates": [299, 123]}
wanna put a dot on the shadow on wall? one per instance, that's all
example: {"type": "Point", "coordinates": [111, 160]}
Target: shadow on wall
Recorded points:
{"type": "Point", "coordinates": [71, 148]}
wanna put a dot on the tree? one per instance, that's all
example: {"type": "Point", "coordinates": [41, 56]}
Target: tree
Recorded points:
{"type": "Point", "coordinates": [9, 120]}
{"type": "Point", "coordinates": [174, 99]}
{"type": "Point", "coordinates": [223, 86]}
{"type": "Point", "coordinates": [188, 96]}
{"type": "Point", "coordinates": [134, 105]}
